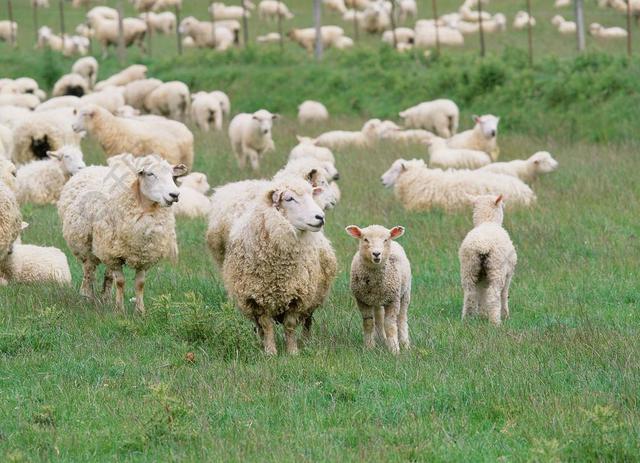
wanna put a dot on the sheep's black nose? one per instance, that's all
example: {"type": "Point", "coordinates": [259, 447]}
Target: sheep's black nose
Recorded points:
{"type": "Point", "coordinates": [337, 176]}
{"type": "Point", "coordinates": [375, 254]}
{"type": "Point", "coordinates": [493, 133]}
{"type": "Point", "coordinates": [174, 195]}
{"type": "Point", "coordinates": [320, 218]}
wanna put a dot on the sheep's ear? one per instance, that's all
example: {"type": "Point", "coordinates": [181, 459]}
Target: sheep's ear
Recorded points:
{"type": "Point", "coordinates": [317, 190]}
{"type": "Point", "coordinates": [476, 118]}
{"type": "Point", "coordinates": [403, 167]}
{"type": "Point", "coordinates": [354, 231]}
{"type": "Point", "coordinates": [396, 232]}
{"type": "Point", "coordinates": [180, 170]}
{"type": "Point", "coordinates": [499, 199]}
{"type": "Point", "coordinates": [312, 176]}
{"type": "Point", "coordinates": [54, 154]}
{"type": "Point", "coordinates": [274, 197]}
{"type": "Point", "coordinates": [24, 225]}
{"type": "Point", "coordinates": [275, 116]}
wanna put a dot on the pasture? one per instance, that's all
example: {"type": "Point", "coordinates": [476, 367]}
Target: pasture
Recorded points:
{"type": "Point", "coordinates": [189, 382]}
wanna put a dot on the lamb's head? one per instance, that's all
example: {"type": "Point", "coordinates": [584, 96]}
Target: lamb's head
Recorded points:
{"type": "Point", "coordinates": [86, 117]}
{"type": "Point", "coordinates": [187, 25]}
{"type": "Point", "coordinates": [488, 125]}
{"type": "Point", "coordinates": [156, 179]}
{"type": "Point", "coordinates": [8, 173]}
{"type": "Point", "coordinates": [398, 167]}
{"type": "Point", "coordinates": [371, 127]}
{"type": "Point", "coordinates": [196, 180]}
{"type": "Point", "coordinates": [487, 208]}
{"type": "Point", "coordinates": [70, 157]}
{"type": "Point", "coordinates": [543, 162]}
{"type": "Point", "coordinates": [375, 242]}
{"type": "Point", "coordinates": [294, 199]}
{"type": "Point", "coordinates": [263, 121]}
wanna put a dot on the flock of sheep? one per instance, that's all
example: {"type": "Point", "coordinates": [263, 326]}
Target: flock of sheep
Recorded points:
{"type": "Point", "coordinates": [265, 236]}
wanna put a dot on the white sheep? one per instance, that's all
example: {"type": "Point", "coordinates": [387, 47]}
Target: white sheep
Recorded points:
{"type": "Point", "coordinates": [87, 67]}
{"type": "Point", "coordinates": [467, 14]}
{"type": "Point", "coordinates": [101, 12]}
{"type": "Point", "coordinates": [206, 111]}
{"type": "Point", "coordinates": [110, 98]}
{"type": "Point", "coordinates": [219, 10]}
{"type": "Point", "coordinates": [272, 9]}
{"type": "Point", "coordinates": [522, 20]}
{"type": "Point", "coordinates": [381, 285]}
{"type": "Point", "coordinates": [337, 6]}
{"type": "Point", "coordinates": [124, 77]}
{"type": "Point", "coordinates": [193, 200]}
{"type": "Point", "coordinates": [6, 142]}
{"type": "Point", "coordinates": [487, 261]}
{"type": "Point", "coordinates": [312, 111]}
{"type": "Point", "coordinates": [250, 136]}
{"type": "Point", "coordinates": [407, 9]}
{"type": "Point", "coordinates": [58, 102]}
{"type": "Point", "coordinates": [223, 98]}
{"type": "Point", "coordinates": [135, 92]}
{"type": "Point", "coordinates": [207, 34]}
{"type": "Point", "coordinates": [417, 136]}
{"type": "Point", "coordinates": [11, 116]}
{"type": "Point", "coordinates": [564, 27]}
{"type": "Point", "coordinates": [483, 136]}
{"type": "Point", "coordinates": [70, 84]}
{"type": "Point", "coordinates": [167, 4]}
{"type": "Point", "coordinates": [342, 43]}
{"type": "Point", "coordinates": [429, 37]}
{"type": "Point", "coordinates": [438, 116]}
{"type": "Point", "coordinates": [270, 37]}
{"type": "Point", "coordinates": [8, 173]}
{"type": "Point", "coordinates": [419, 188]}
{"type": "Point", "coordinates": [22, 100]}
{"type": "Point", "coordinates": [526, 170]}
{"type": "Point", "coordinates": [402, 35]}
{"type": "Point", "coordinates": [306, 38]}
{"type": "Point", "coordinates": [170, 99]}
{"type": "Point", "coordinates": [340, 139]}
{"type": "Point", "coordinates": [8, 31]}
{"type": "Point", "coordinates": [10, 223]}
{"type": "Point", "coordinates": [120, 215]}
{"type": "Point", "coordinates": [599, 31]}
{"type": "Point", "coordinates": [41, 182]}
{"type": "Point", "coordinates": [306, 149]}
{"type": "Point", "coordinates": [562, 3]}
{"type": "Point", "coordinates": [126, 111]}
{"type": "Point", "coordinates": [164, 23]}
{"type": "Point", "coordinates": [445, 157]}
{"type": "Point", "coordinates": [107, 33]}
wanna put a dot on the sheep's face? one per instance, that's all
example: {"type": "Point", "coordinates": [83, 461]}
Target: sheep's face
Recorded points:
{"type": "Point", "coordinates": [326, 198]}
{"type": "Point", "coordinates": [197, 181]}
{"type": "Point", "coordinates": [298, 206]}
{"type": "Point", "coordinates": [70, 158]}
{"type": "Point", "coordinates": [263, 120]}
{"type": "Point", "coordinates": [84, 119]}
{"type": "Point", "coordinates": [487, 208]}
{"type": "Point", "coordinates": [375, 241]}
{"type": "Point", "coordinates": [330, 171]}
{"type": "Point", "coordinates": [488, 125]}
{"type": "Point", "coordinates": [157, 184]}
{"type": "Point", "coordinates": [543, 162]}
{"type": "Point", "coordinates": [390, 176]}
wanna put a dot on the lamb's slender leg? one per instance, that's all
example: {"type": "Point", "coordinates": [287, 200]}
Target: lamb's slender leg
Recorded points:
{"type": "Point", "coordinates": [269, 336]}
{"type": "Point", "coordinates": [379, 316]}
{"type": "Point", "coordinates": [470, 304]}
{"type": "Point", "coordinates": [118, 276]}
{"type": "Point", "coordinates": [504, 296]}
{"type": "Point", "coordinates": [240, 157]}
{"type": "Point", "coordinates": [492, 302]}
{"type": "Point", "coordinates": [88, 271]}
{"type": "Point", "coordinates": [139, 288]}
{"type": "Point", "coordinates": [253, 156]}
{"type": "Point", "coordinates": [367, 324]}
{"type": "Point", "coordinates": [290, 325]}
{"type": "Point", "coordinates": [107, 283]}
{"type": "Point", "coordinates": [391, 328]}
{"type": "Point", "coordinates": [403, 323]}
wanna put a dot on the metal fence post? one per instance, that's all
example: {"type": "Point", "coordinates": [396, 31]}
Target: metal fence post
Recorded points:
{"type": "Point", "coordinates": [579, 12]}
{"type": "Point", "coordinates": [434, 7]}
{"type": "Point", "coordinates": [530, 33]}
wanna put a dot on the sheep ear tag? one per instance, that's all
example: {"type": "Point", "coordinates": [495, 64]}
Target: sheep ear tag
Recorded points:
{"type": "Point", "coordinates": [354, 231]}
{"type": "Point", "coordinates": [396, 232]}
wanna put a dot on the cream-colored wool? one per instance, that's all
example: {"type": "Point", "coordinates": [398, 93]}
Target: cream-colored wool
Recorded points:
{"type": "Point", "coordinates": [272, 9]}
{"type": "Point", "coordinates": [427, 37]}
{"type": "Point", "coordinates": [163, 23]}
{"type": "Point", "coordinates": [8, 173]}
{"type": "Point", "coordinates": [8, 29]}
{"type": "Point", "coordinates": [167, 4]}
{"type": "Point", "coordinates": [250, 136]}
{"type": "Point", "coordinates": [109, 98]}
{"type": "Point", "coordinates": [223, 98]}
{"type": "Point", "coordinates": [207, 34]}
{"type": "Point", "coordinates": [124, 77]}
{"type": "Point", "coordinates": [340, 139]}
{"type": "Point", "coordinates": [438, 116]}
{"type": "Point", "coordinates": [312, 111]}
{"type": "Point", "coordinates": [171, 99]}
{"type": "Point", "coordinates": [522, 20]}
{"type": "Point", "coordinates": [135, 92]}
{"type": "Point", "coordinates": [71, 84]}
{"type": "Point", "coordinates": [6, 141]}
{"type": "Point", "coordinates": [10, 223]}
{"type": "Point", "coordinates": [107, 33]}
{"type": "Point", "coordinates": [193, 200]}
{"type": "Point", "coordinates": [306, 149]}
{"type": "Point", "coordinates": [12, 116]}
{"type": "Point", "coordinates": [402, 35]}
{"type": "Point", "coordinates": [206, 111]}
{"type": "Point", "coordinates": [483, 136]}
{"type": "Point", "coordinates": [607, 33]}
{"type": "Point", "coordinates": [526, 170]}
{"type": "Point", "coordinates": [306, 37]}
{"type": "Point", "coordinates": [487, 261]}
{"type": "Point", "coordinates": [57, 102]}
{"type": "Point", "coordinates": [409, 136]}
{"type": "Point", "coordinates": [441, 156]}
{"type": "Point", "coordinates": [37, 264]}
{"type": "Point", "coordinates": [23, 100]}
{"type": "Point", "coordinates": [220, 11]}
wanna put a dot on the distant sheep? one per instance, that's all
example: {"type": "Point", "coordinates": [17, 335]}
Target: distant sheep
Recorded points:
{"type": "Point", "coordinates": [163, 23]}
{"type": "Point", "coordinates": [86, 67]}
{"type": "Point", "coordinates": [8, 31]}
{"type": "Point", "coordinates": [438, 116]}
{"type": "Point", "coordinates": [526, 170]}
{"type": "Point", "coordinates": [170, 99]}
{"type": "Point", "coordinates": [564, 27]}
{"type": "Point", "coordinates": [207, 34]}
{"type": "Point", "coordinates": [272, 9]}
{"type": "Point", "coordinates": [312, 111]}
{"type": "Point", "coordinates": [250, 136]}
{"type": "Point", "coordinates": [71, 84]}
{"type": "Point", "coordinates": [206, 111]}
{"type": "Point", "coordinates": [522, 20]}
{"type": "Point", "coordinates": [339, 139]}
{"type": "Point", "coordinates": [10, 223]}
{"type": "Point", "coordinates": [193, 202]}
{"type": "Point", "coordinates": [124, 77]}
{"type": "Point", "coordinates": [600, 32]}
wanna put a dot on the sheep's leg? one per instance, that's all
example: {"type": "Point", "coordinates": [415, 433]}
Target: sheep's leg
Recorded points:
{"type": "Point", "coordinates": [492, 303]}
{"type": "Point", "coordinates": [306, 329]}
{"type": "Point", "coordinates": [118, 276]}
{"type": "Point", "coordinates": [240, 156]}
{"type": "Point", "coordinates": [253, 156]}
{"type": "Point", "coordinates": [391, 328]}
{"type": "Point", "coordinates": [403, 323]}
{"type": "Point", "coordinates": [290, 325]}
{"type": "Point", "coordinates": [139, 287]}
{"type": "Point", "coordinates": [269, 336]}
{"type": "Point", "coordinates": [107, 283]}
{"type": "Point", "coordinates": [470, 304]}
{"type": "Point", "coordinates": [367, 324]}
{"type": "Point", "coordinates": [504, 296]}
{"type": "Point", "coordinates": [88, 271]}
{"type": "Point", "coordinates": [379, 316]}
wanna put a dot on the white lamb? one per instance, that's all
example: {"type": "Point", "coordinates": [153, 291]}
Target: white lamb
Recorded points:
{"type": "Point", "coordinates": [419, 188]}
{"type": "Point", "coordinates": [444, 157]}
{"type": "Point", "coordinates": [272, 9]}
{"type": "Point", "coordinates": [526, 170]}
{"type": "Point", "coordinates": [171, 99]}
{"type": "Point", "coordinates": [193, 200]}
{"type": "Point", "coordinates": [340, 139]}
{"type": "Point", "coordinates": [483, 136]}
{"type": "Point", "coordinates": [606, 33]}
{"type": "Point", "coordinates": [270, 37]}
{"type": "Point", "coordinates": [487, 261]}
{"type": "Point", "coordinates": [206, 111]}
{"type": "Point", "coordinates": [220, 11]}
{"type": "Point", "coordinates": [381, 285]}
{"type": "Point", "coordinates": [438, 116]}
{"type": "Point", "coordinates": [250, 136]}
{"type": "Point", "coordinates": [86, 67]}
{"type": "Point", "coordinates": [124, 77]}
{"type": "Point", "coordinates": [311, 111]}
{"type": "Point", "coordinates": [564, 27]}
{"type": "Point", "coordinates": [522, 20]}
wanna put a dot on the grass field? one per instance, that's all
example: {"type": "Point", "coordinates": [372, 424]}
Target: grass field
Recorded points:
{"type": "Point", "coordinates": [559, 381]}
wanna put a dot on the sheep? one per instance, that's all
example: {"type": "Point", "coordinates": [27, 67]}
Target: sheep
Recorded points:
{"type": "Point", "coordinates": [86, 67]}
{"type": "Point", "coordinates": [312, 111]}
{"type": "Point", "coordinates": [317, 173]}
{"type": "Point", "coordinates": [107, 33]}
{"type": "Point", "coordinates": [407, 9]}
{"type": "Point", "coordinates": [110, 98]}
{"type": "Point", "coordinates": [522, 20]}
{"type": "Point", "coordinates": [135, 92]}
{"type": "Point", "coordinates": [279, 266]}
{"type": "Point", "coordinates": [402, 35]}
{"type": "Point", "coordinates": [207, 34]}
{"type": "Point", "coordinates": [342, 43]}
{"type": "Point", "coordinates": [193, 200]}
{"type": "Point", "coordinates": [270, 37]}
{"type": "Point", "coordinates": [10, 223]}
{"type": "Point", "coordinates": [601, 32]}
{"type": "Point", "coordinates": [223, 98]}
{"type": "Point", "coordinates": [70, 84]}
{"type": "Point", "coordinates": [419, 188]}
{"type": "Point", "coordinates": [164, 23]}
{"type": "Point", "coordinates": [22, 85]}
{"type": "Point", "coordinates": [306, 38]}
{"type": "Point", "coordinates": [442, 156]}
{"type": "Point", "coordinates": [8, 31]}
{"type": "Point", "coordinates": [41, 182]}
{"type": "Point", "coordinates": [206, 111]}
{"type": "Point", "coordinates": [429, 37]}
{"type": "Point", "coordinates": [169, 139]}
{"type": "Point", "coordinates": [11, 116]}
{"type": "Point", "coordinates": [120, 215]}
{"type": "Point", "coordinates": [380, 282]}
{"type": "Point", "coordinates": [101, 12]}
{"type": "Point", "coordinates": [124, 77]}
{"type": "Point", "coordinates": [562, 3]}
{"type": "Point", "coordinates": [272, 9]}
{"type": "Point", "coordinates": [337, 6]}
{"type": "Point", "coordinates": [306, 149]}
{"type": "Point", "coordinates": [564, 27]}
{"type": "Point", "coordinates": [483, 136]}
{"type": "Point", "coordinates": [221, 11]}
{"type": "Point", "coordinates": [58, 102]}
{"type": "Point", "coordinates": [339, 139]}
{"type": "Point", "coordinates": [40, 3]}
{"type": "Point", "coordinates": [526, 170]}
{"type": "Point", "coordinates": [487, 261]}
{"type": "Point", "coordinates": [170, 99]}
{"type": "Point", "coordinates": [67, 45]}
{"type": "Point", "coordinates": [8, 174]}
{"type": "Point", "coordinates": [23, 100]}
{"type": "Point", "coordinates": [126, 111]}
{"type": "Point", "coordinates": [143, 5]}
{"type": "Point", "coordinates": [250, 136]}
{"type": "Point", "coordinates": [467, 14]}
{"type": "Point", "coordinates": [497, 23]}
{"type": "Point", "coordinates": [375, 18]}
{"type": "Point", "coordinates": [418, 136]}
{"type": "Point", "coordinates": [167, 4]}
{"type": "Point", "coordinates": [438, 116]}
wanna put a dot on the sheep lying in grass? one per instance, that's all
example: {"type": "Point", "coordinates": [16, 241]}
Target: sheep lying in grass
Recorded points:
{"type": "Point", "coordinates": [440, 155]}
{"type": "Point", "coordinates": [206, 111]}
{"type": "Point", "coordinates": [564, 27]}
{"type": "Point", "coordinates": [193, 202]}
{"type": "Point", "coordinates": [170, 99]}
{"type": "Point", "coordinates": [86, 67]}
{"type": "Point", "coordinates": [420, 188]}
{"type": "Point", "coordinates": [10, 223]}
{"type": "Point", "coordinates": [487, 261]}
{"type": "Point", "coordinates": [124, 77]}
{"type": "Point", "coordinates": [312, 111]}
{"type": "Point", "coordinates": [250, 136]}
{"type": "Point", "coordinates": [599, 31]}
{"type": "Point", "coordinates": [41, 182]}
{"type": "Point", "coordinates": [339, 139]}
{"type": "Point", "coordinates": [438, 116]}
{"type": "Point", "coordinates": [381, 285]}
{"type": "Point", "coordinates": [483, 136]}
{"type": "Point", "coordinates": [306, 37]}
{"type": "Point", "coordinates": [207, 34]}
{"type": "Point", "coordinates": [279, 266]}
{"type": "Point", "coordinates": [120, 215]}
{"type": "Point", "coordinates": [526, 170]}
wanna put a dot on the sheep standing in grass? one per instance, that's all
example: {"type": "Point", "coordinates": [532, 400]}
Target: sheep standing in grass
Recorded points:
{"type": "Point", "coordinates": [250, 136]}
{"type": "Point", "coordinates": [438, 116]}
{"type": "Point", "coordinates": [440, 155]}
{"type": "Point", "coordinates": [526, 170]}
{"type": "Point", "coordinates": [163, 23]}
{"type": "Point", "coordinates": [193, 202]}
{"type": "Point", "coordinates": [170, 99]}
{"type": "Point", "coordinates": [381, 285]}
{"type": "Point", "coordinates": [339, 139]}
{"type": "Point", "coordinates": [487, 261]}
{"type": "Point", "coordinates": [206, 111]}
{"type": "Point", "coordinates": [206, 34]}
{"type": "Point", "coordinates": [312, 111]}
{"type": "Point", "coordinates": [522, 20]}
{"type": "Point", "coordinates": [107, 33]}
{"type": "Point", "coordinates": [483, 136]}
{"type": "Point", "coordinates": [120, 215]}
{"type": "Point", "coordinates": [564, 27]}
{"type": "Point", "coordinates": [272, 9]}
{"type": "Point", "coordinates": [8, 31]}
{"type": "Point", "coordinates": [86, 67]}
{"type": "Point", "coordinates": [420, 188]}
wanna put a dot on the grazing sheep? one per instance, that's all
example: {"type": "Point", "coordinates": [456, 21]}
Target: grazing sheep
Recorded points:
{"type": "Point", "coordinates": [107, 33]}
{"type": "Point", "coordinates": [193, 202]}
{"type": "Point", "coordinates": [438, 116]}
{"type": "Point", "coordinates": [417, 136]}
{"type": "Point", "coordinates": [121, 218]}
{"type": "Point", "coordinates": [272, 9]}
{"type": "Point", "coordinates": [124, 77]}
{"type": "Point", "coordinates": [206, 111]}
{"type": "Point", "coordinates": [381, 285]}
{"type": "Point", "coordinates": [207, 34]}
{"type": "Point", "coordinates": [419, 188]}
{"type": "Point", "coordinates": [101, 12]}
{"type": "Point", "coordinates": [70, 84]}
{"type": "Point", "coordinates": [526, 170]}
{"type": "Point", "coordinates": [444, 157]}
{"type": "Point", "coordinates": [8, 31]}
{"type": "Point", "coordinates": [171, 99]}
{"type": "Point", "coordinates": [312, 111]}
{"type": "Point", "coordinates": [564, 27]}
{"type": "Point", "coordinates": [135, 92]}
{"type": "Point", "coordinates": [143, 5]}
{"type": "Point", "coordinates": [170, 139]}
{"type": "Point", "coordinates": [250, 136]}
{"type": "Point", "coordinates": [402, 35]}
{"type": "Point", "coordinates": [342, 43]}
{"type": "Point", "coordinates": [225, 103]}
{"type": "Point", "coordinates": [487, 261]}
{"type": "Point", "coordinates": [522, 20]}
{"type": "Point", "coordinates": [167, 4]}
{"type": "Point", "coordinates": [41, 182]}
{"type": "Point", "coordinates": [164, 23]}
{"type": "Point", "coordinates": [86, 67]}
{"type": "Point", "coordinates": [337, 6]}
{"type": "Point", "coordinates": [428, 37]}
{"type": "Point", "coordinates": [338, 139]}
{"type": "Point", "coordinates": [220, 11]}
{"type": "Point", "coordinates": [483, 136]}
{"type": "Point", "coordinates": [279, 266]}
{"type": "Point", "coordinates": [601, 32]}
{"type": "Point", "coordinates": [10, 223]}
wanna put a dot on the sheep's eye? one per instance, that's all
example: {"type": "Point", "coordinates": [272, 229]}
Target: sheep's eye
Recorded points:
{"type": "Point", "coordinates": [386, 240]}
{"type": "Point", "coordinates": [366, 240]}
{"type": "Point", "coordinates": [289, 199]}
{"type": "Point", "coordinates": [150, 174]}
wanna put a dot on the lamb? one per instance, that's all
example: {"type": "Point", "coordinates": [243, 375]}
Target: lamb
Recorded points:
{"type": "Point", "coordinates": [164, 23]}
{"type": "Point", "coordinates": [221, 11]}
{"type": "Point", "coordinates": [193, 202]}
{"type": "Point", "coordinates": [169, 139]}
{"type": "Point", "coordinates": [440, 155]}
{"type": "Point", "coordinates": [564, 27]}
{"type": "Point", "coordinates": [10, 223]}
{"type": "Point", "coordinates": [171, 99]}
{"type": "Point", "coordinates": [381, 285]}
{"type": "Point", "coordinates": [487, 261]}
{"type": "Point", "coordinates": [124, 77]}
{"type": "Point", "coordinates": [21, 100]}
{"type": "Point", "coordinates": [599, 31]}
{"type": "Point", "coordinates": [41, 182]}
{"type": "Point", "coordinates": [526, 170]}
{"type": "Point", "coordinates": [438, 116]}
{"type": "Point", "coordinates": [483, 136]}
{"type": "Point", "coordinates": [420, 188]}
{"type": "Point", "coordinates": [8, 31]}
{"type": "Point", "coordinates": [426, 37]}
{"type": "Point", "coordinates": [121, 218]}
{"type": "Point", "coordinates": [342, 43]}
{"type": "Point", "coordinates": [271, 9]}
{"type": "Point", "coordinates": [522, 20]}
{"type": "Point", "coordinates": [312, 111]}
{"type": "Point", "coordinates": [279, 266]}
{"type": "Point", "coordinates": [339, 139]}
{"type": "Point", "coordinates": [86, 67]}
{"type": "Point", "coordinates": [107, 33]}
{"type": "Point", "coordinates": [250, 136]}
{"type": "Point", "coordinates": [71, 84]}
{"type": "Point", "coordinates": [207, 34]}
{"type": "Point", "coordinates": [206, 111]}
{"type": "Point", "coordinates": [135, 92]}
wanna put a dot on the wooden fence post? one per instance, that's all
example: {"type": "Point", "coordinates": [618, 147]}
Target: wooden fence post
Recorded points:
{"type": "Point", "coordinates": [434, 8]}
{"type": "Point", "coordinates": [393, 24]}
{"type": "Point", "coordinates": [579, 12]}
{"type": "Point", "coordinates": [530, 33]}
{"type": "Point", "coordinates": [317, 19]}
{"type": "Point", "coordinates": [178, 34]}
{"type": "Point", "coordinates": [356, 33]}
{"type": "Point", "coordinates": [36, 25]}
{"type": "Point", "coordinates": [121, 47]}
{"type": "Point", "coordinates": [245, 25]}
{"type": "Point", "coordinates": [62, 29]}
{"type": "Point", "coordinates": [481, 29]}
{"type": "Point", "coordinates": [12, 31]}
{"type": "Point", "coordinates": [629, 28]}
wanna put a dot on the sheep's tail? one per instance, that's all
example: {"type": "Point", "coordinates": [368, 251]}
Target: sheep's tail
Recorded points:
{"type": "Point", "coordinates": [483, 257]}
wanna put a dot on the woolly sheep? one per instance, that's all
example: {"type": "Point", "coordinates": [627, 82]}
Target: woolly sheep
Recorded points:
{"type": "Point", "coordinates": [342, 43]}
{"type": "Point", "coordinates": [428, 37]}
{"type": "Point", "coordinates": [207, 34]}
{"type": "Point", "coordinates": [601, 32]}
{"type": "Point", "coordinates": [135, 92]}
{"type": "Point", "coordinates": [6, 142]}
{"type": "Point", "coordinates": [483, 136]}
{"type": "Point", "coordinates": [419, 188]}
{"type": "Point", "coordinates": [193, 202]}
{"type": "Point", "coordinates": [58, 102]}
{"type": "Point", "coordinates": [318, 174]}
{"type": "Point", "coordinates": [23, 100]}
{"type": "Point", "coordinates": [250, 136]}
{"type": "Point", "coordinates": [171, 99]}
{"type": "Point", "coordinates": [109, 98]}
{"type": "Point", "coordinates": [444, 157]}
{"type": "Point", "coordinates": [225, 103]}
{"type": "Point", "coordinates": [306, 38]}
{"type": "Point", "coordinates": [339, 139]}
{"type": "Point", "coordinates": [41, 182]}
{"type": "Point", "coordinates": [167, 4]}
{"type": "Point", "coordinates": [526, 170]}
{"type": "Point", "coordinates": [126, 111]}
{"type": "Point", "coordinates": [124, 77]}
{"type": "Point", "coordinates": [271, 9]}
{"type": "Point", "coordinates": [164, 23]}
{"type": "Point", "coordinates": [564, 27]}
{"type": "Point", "coordinates": [8, 174]}
{"type": "Point", "coordinates": [143, 5]}
{"type": "Point", "coordinates": [86, 67]}
{"type": "Point", "coordinates": [10, 222]}
{"type": "Point", "coordinates": [11, 116]}
{"type": "Point", "coordinates": [206, 111]}
{"type": "Point", "coordinates": [487, 261]}
{"type": "Point", "coordinates": [335, 5]}
{"type": "Point", "coordinates": [381, 285]}
{"type": "Point", "coordinates": [467, 14]}
{"type": "Point", "coordinates": [169, 139]}
{"type": "Point", "coordinates": [402, 35]}
{"type": "Point", "coordinates": [219, 11]}
{"type": "Point", "coordinates": [522, 20]}
{"type": "Point", "coordinates": [101, 12]}
{"type": "Point", "coordinates": [438, 116]}
{"type": "Point", "coordinates": [279, 265]}
{"type": "Point", "coordinates": [107, 33]}
{"type": "Point", "coordinates": [418, 136]}
{"type": "Point", "coordinates": [312, 111]}
{"type": "Point", "coordinates": [120, 215]}
{"type": "Point", "coordinates": [306, 149]}
{"type": "Point", "coordinates": [70, 84]}
{"type": "Point", "coordinates": [8, 31]}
